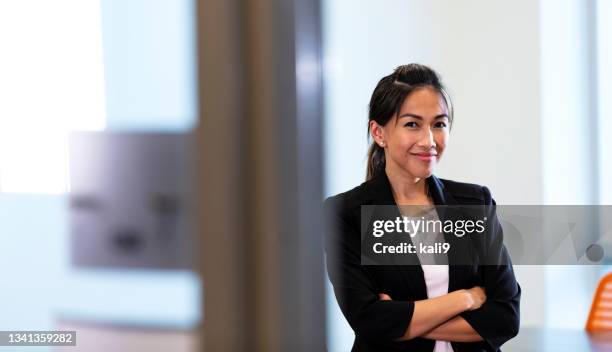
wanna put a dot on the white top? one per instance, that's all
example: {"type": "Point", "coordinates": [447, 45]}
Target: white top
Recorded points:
{"type": "Point", "coordinates": [436, 276]}
{"type": "Point", "coordinates": [436, 279]}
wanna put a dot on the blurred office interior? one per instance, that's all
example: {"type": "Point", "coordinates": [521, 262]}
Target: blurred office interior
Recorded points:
{"type": "Point", "coordinates": [272, 98]}
{"type": "Point", "coordinates": [122, 67]}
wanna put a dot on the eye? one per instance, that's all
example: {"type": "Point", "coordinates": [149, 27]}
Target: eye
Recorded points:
{"type": "Point", "coordinates": [411, 124]}
{"type": "Point", "coordinates": [440, 125]}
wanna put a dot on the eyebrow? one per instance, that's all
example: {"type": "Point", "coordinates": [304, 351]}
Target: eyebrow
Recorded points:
{"type": "Point", "coordinates": [421, 117]}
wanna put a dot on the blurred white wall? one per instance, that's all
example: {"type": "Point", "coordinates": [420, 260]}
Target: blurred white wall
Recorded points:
{"type": "Point", "coordinates": [51, 82]}
{"type": "Point", "coordinates": [150, 64]}
{"type": "Point", "coordinates": [520, 94]}
{"type": "Point", "coordinates": [604, 85]}
{"type": "Point", "coordinates": [569, 123]}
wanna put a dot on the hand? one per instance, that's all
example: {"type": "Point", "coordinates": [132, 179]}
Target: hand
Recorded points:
{"type": "Point", "coordinates": [384, 297]}
{"type": "Point", "coordinates": [476, 297]}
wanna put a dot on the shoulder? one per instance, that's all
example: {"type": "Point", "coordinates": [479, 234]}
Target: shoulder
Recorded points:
{"type": "Point", "coordinates": [369, 193]}
{"type": "Point", "coordinates": [346, 202]}
{"type": "Point", "coordinates": [467, 193]}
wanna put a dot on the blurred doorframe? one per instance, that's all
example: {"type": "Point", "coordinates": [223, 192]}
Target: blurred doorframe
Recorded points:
{"type": "Point", "coordinates": [260, 178]}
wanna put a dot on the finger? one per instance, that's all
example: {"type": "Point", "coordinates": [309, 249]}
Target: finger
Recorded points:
{"type": "Point", "coordinates": [384, 297]}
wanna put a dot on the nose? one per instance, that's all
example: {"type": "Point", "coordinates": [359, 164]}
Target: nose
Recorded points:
{"type": "Point", "coordinates": [426, 139]}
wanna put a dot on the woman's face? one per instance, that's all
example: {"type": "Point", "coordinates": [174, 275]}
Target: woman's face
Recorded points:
{"type": "Point", "coordinates": [414, 139]}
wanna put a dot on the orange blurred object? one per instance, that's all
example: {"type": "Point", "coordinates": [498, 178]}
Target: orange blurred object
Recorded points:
{"type": "Point", "coordinates": [600, 317]}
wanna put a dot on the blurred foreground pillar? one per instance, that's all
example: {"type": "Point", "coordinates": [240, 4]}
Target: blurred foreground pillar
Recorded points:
{"type": "Point", "coordinates": [260, 175]}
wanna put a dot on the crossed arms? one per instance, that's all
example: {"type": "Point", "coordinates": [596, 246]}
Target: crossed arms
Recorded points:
{"type": "Point", "coordinates": [438, 319]}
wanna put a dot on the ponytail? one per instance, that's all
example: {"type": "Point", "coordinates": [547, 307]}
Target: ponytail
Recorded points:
{"type": "Point", "coordinates": [376, 161]}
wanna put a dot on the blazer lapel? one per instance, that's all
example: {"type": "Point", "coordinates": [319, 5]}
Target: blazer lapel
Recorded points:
{"type": "Point", "coordinates": [382, 194]}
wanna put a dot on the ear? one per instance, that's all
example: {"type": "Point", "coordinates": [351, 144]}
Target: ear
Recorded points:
{"type": "Point", "coordinates": [378, 133]}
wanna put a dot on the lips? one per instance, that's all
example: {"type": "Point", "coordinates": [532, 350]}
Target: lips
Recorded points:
{"type": "Point", "coordinates": [428, 157]}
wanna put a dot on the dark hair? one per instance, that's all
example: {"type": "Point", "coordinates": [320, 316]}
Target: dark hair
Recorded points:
{"type": "Point", "coordinates": [387, 100]}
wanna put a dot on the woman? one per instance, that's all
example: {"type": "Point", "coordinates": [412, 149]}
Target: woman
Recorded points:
{"type": "Point", "coordinates": [447, 307]}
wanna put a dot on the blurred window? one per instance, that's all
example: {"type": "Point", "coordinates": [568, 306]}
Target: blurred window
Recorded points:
{"type": "Point", "coordinates": [51, 82]}
{"type": "Point", "coordinates": [604, 86]}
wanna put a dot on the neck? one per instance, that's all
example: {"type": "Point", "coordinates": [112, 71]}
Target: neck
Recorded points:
{"type": "Point", "coordinates": [407, 189]}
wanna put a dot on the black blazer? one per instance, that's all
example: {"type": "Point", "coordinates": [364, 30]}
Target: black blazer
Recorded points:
{"type": "Point", "coordinates": [377, 324]}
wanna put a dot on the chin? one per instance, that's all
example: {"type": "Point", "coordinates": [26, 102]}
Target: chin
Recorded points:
{"type": "Point", "coordinates": [421, 173]}
{"type": "Point", "coordinates": [425, 174]}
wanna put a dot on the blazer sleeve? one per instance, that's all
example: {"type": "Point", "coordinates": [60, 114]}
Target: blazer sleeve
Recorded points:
{"type": "Point", "coordinates": [354, 288]}
{"type": "Point", "coordinates": [497, 320]}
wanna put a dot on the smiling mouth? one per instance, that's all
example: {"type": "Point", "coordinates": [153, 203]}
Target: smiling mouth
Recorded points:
{"type": "Point", "coordinates": [425, 156]}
